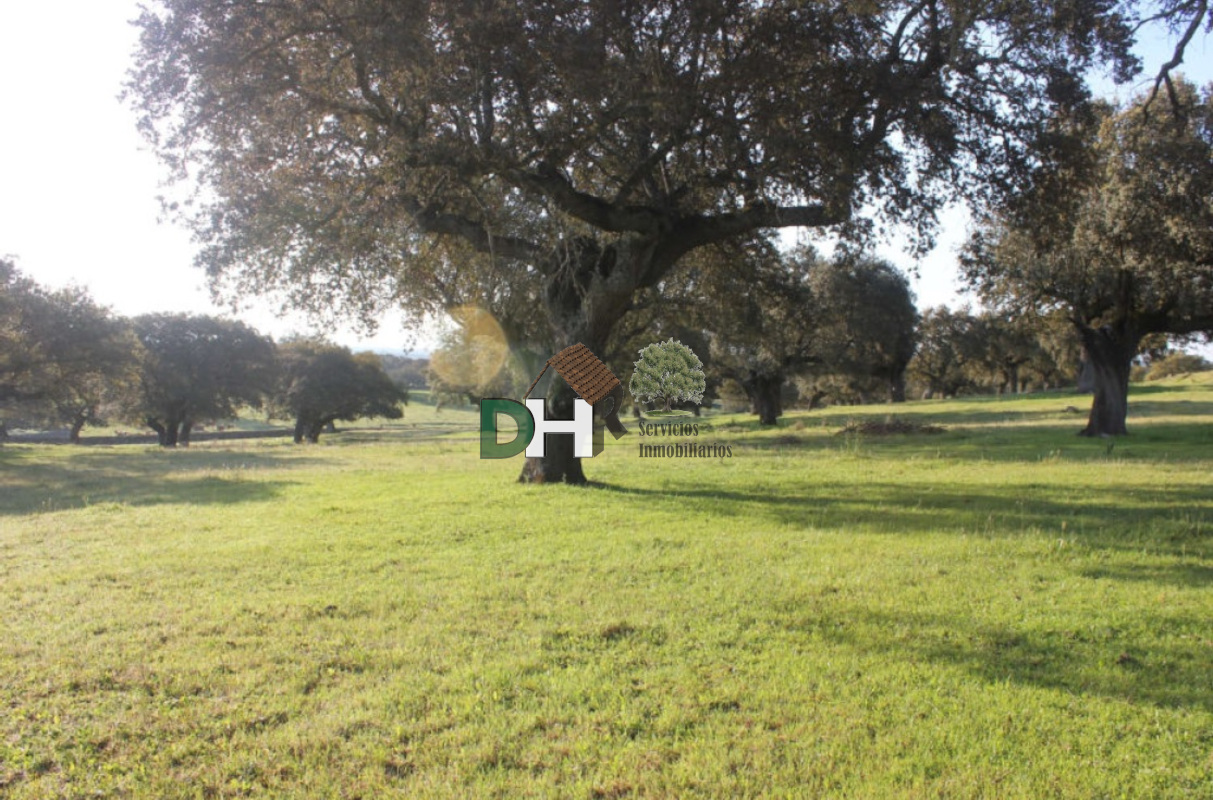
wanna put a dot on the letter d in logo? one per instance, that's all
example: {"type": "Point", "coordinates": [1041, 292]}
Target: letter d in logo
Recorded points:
{"type": "Point", "coordinates": [489, 409]}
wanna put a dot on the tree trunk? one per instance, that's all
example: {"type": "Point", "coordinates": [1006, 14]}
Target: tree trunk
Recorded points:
{"type": "Point", "coordinates": [166, 433]}
{"type": "Point", "coordinates": [300, 429]}
{"type": "Point", "coordinates": [587, 289]}
{"type": "Point", "coordinates": [1086, 376]}
{"type": "Point", "coordinates": [73, 435]}
{"type": "Point", "coordinates": [666, 407]}
{"type": "Point", "coordinates": [558, 464]}
{"type": "Point", "coordinates": [187, 425]}
{"type": "Point", "coordinates": [1110, 351]}
{"type": "Point", "coordinates": [764, 392]}
{"type": "Point", "coordinates": [897, 388]}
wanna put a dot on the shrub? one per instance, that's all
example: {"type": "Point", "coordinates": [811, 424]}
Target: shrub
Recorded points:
{"type": "Point", "coordinates": [1177, 364]}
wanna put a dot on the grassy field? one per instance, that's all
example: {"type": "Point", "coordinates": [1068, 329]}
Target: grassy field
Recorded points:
{"type": "Point", "coordinates": [1000, 610]}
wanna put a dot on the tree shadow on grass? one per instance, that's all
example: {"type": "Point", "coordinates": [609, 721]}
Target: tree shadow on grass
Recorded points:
{"type": "Point", "coordinates": [1147, 442]}
{"type": "Point", "coordinates": [1165, 661]}
{"type": "Point", "coordinates": [1177, 575]}
{"type": "Point", "coordinates": [32, 482]}
{"type": "Point", "coordinates": [1175, 520]}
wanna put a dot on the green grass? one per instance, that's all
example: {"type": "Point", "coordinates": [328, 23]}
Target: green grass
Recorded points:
{"type": "Point", "coordinates": [1001, 610]}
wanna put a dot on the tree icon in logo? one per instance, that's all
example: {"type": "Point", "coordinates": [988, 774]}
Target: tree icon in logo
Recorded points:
{"type": "Point", "coordinates": [668, 372]}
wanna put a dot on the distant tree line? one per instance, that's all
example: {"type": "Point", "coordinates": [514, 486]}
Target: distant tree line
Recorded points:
{"type": "Point", "coordinates": [66, 361]}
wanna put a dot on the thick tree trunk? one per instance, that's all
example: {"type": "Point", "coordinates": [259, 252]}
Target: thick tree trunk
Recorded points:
{"type": "Point", "coordinates": [300, 430]}
{"type": "Point", "coordinates": [1086, 376]}
{"type": "Point", "coordinates": [166, 432]}
{"type": "Point", "coordinates": [558, 464]}
{"type": "Point", "coordinates": [1110, 351]}
{"type": "Point", "coordinates": [764, 392]}
{"type": "Point", "coordinates": [897, 388]}
{"type": "Point", "coordinates": [73, 435]}
{"type": "Point", "coordinates": [586, 292]}
{"type": "Point", "coordinates": [666, 407]}
{"type": "Point", "coordinates": [187, 426]}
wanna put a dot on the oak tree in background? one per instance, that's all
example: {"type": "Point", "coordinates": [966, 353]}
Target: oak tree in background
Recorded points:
{"type": "Point", "coordinates": [667, 372]}
{"type": "Point", "coordinates": [947, 343]}
{"type": "Point", "coordinates": [1004, 347]}
{"type": "Point", "coordinates": [197, 368]}
{"type": "Point", "coordinates": [62, 356]}
{"type": "Point", "coordinates": [89, 359]}
{"type": "Point", "coordinates": [866, 324]}
{"type": "Point", "coordinates": [1118, 235]}
{"type": "Point", "coordinates": [339, 148]}
{"type": "Point", "coordinates": [20, 302]}
{"type": "Point", "coordinates": [760, 319]}
{"type": "Point", "coordinates": [321, 383]}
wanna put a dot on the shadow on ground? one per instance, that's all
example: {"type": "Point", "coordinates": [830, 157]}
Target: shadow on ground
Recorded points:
{"type": "Point", "coordinates": [32, 481]}
{"type": "Point", "coordinates": [1171, 519]}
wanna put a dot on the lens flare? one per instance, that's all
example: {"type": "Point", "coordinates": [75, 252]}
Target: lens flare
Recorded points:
{"type": "Point", "coordinates": [479, 354]}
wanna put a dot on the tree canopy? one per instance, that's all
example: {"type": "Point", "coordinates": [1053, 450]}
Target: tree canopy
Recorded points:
{"type": "Point", "coordinates": [62, 356]}
{"type": "Point", "coordinates": [322, 383]}
{"type": "Point", "coordinates": [866, 320]}
{"type": "Point", "coordinates": [198, 368]}
{"type": "Point", "coordinates": [760, 317]}
{"type": "Point", "coordinates": [1118, 235]}
{"type": "Point", "coordinates": [353, 153]}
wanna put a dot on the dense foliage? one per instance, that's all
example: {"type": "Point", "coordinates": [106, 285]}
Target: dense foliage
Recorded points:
{"type": "Point", "coordinates": [667, 372]}
{"type": "Point", "coordinates": [1117, 234]}
{"type": "Point", "coordinates": [351, 154]}
{"type": "Point", "coordinates": [198, 368]}
{"type": "Point", "coordinates": [321, 383]}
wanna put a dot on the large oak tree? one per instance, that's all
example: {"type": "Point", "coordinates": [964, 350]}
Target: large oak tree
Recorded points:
{"type": "Point", "coordinates": [1118, 235]}
{"type": "Point", "coordinates": [341, 146]}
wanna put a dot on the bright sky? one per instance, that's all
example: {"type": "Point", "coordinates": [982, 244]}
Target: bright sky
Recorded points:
{"type": "Point", "coordinates": [78, 186]}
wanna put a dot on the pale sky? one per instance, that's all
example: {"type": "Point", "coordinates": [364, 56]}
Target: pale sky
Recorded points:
{"type": "Point", "coordinates": [78, 186]}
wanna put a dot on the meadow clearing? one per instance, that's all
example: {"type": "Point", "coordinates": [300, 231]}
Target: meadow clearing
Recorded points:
{"type": "Point", "coordinates": [1000, 610]}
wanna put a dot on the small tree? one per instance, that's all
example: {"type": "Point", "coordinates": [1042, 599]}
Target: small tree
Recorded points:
{"type": "Point", "coordinates": [322, 383]}
{"type": "Point", "coordinates": [197, 368]}
{"type": "Point", "coordinates": [62, 356]}
{"type": "Point", "coordinates": [667, 372]}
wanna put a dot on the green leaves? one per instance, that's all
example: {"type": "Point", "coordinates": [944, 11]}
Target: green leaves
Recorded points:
{"type": "Point", "coordinates": [668, 372]}
{"type": "Point", "coordinates": [1126, 240]}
